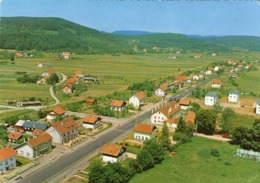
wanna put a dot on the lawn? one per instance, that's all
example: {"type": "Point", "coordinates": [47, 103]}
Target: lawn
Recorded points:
{"type": "Point", "coordinates": [21, 161]}
{"type": "Point", "coordinates": [21, 114]}
{"type": "Point", "coordinates": [193, 163]}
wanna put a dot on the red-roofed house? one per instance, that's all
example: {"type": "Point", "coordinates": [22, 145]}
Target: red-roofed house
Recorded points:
{"type": "Point", "coordinates": [7, 159]}
{"type": "Point", "coordinates": [184, 103]}
{"type": "Point", "coordinates": [91, 122]}
{"type": "Point", "coordinates": [67, 89]}
{"type": "Point", "coordinates": [144, 131]}
{"type": "Point", "coordinates": [72, 80]}
{"type": "Point", "coordinates": [161, 91]}
{"type": "Point", "coordinates": [52, 114]}
{"type": "Point", "coordinates": [216, 83]}
{"type": "Point", "coordinates": [79, 73]}
{"type": "Point", "coordinates": [171, 123]}
{"type": "Point", "coordinates": [112, 153]}
{"type": "Point", "coordinates": [14, 137]}
{"type": "Point", "coordinates": [198, 56]}
{"type": "Point", "coordinates": [168, 111]}
{"type": "Point", "coordinates": [64, 131]}
{"type": "Point", "coordinates": [190, 118]}
{"type": "Point", "coordinates": [137, 99]}
{"type": "Point", "coordinates": [91, 101]}
{"type": "Point", "coordinates": [35, 147]}
{"type": "Point", "coordinates": [118, 105]}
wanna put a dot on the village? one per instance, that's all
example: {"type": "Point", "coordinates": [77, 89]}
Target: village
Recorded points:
{"type": "Point", "coordinates": [60, 127]}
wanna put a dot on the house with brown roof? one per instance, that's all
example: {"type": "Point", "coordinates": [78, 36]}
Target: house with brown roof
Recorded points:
{"type": "Point", "coordinates": [14, 137]}
{"type": "Point", "coordinates": [35, 147]}
{"type": "Point", "coordinates": [144, 131]}
{"type": "Point", "coordinates": [137, 99]}
{"type": "Point", "coordinates": [112, 153]}
{"type": "Point", "coordinates": [169, 111]}
{"type": "Point", "coordinates": [79, 73]}
{"type": "Point", "coordinates": [73, 80]}
{"type": "Point", "coordinates": [162, 90]}
{"type": "Point", "coordinates": [67, 89]}
{"type": "Point", "coordinates": [64, 131]}
{"type": "Point", "coordinates": [48, 73]}
{"type": "Point", "coordinates": [171, 123]}
{"type": "Point", "coordinates": [91, 122]}
{"type": "Point", "coordinates": [91, 101]}
{"type": "Point", "coordinates": [37, 132]}
{"type": "Point", "coordinates": [7, 159]}
{"type": "Point", "coordinates": [216, 83]}
{"type": "Point", "coordinates": [184, 103]}
{"type": "Point", "coordinates": [118, 105]}
{"type": "Point", "coordinates": [190, 118]}
{"type": "Point", "coordinates": [66, 55]}
{"type": "Point", "coordinates": [198, 56]}
{"type": "Point", "coordinates": [52, 114]}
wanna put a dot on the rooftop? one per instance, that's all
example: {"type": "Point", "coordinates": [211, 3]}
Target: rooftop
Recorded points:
{"type": "Point", "coordinates": [144, 128]}
{"type": "Point", "coordinates": [39, 140]}
{"type": "Point", "coordinates": [65, 125]}
{"type": "Point", "coordinates": [7, 152]}
{"type": "Point", "coordinates": [91, 119]}
{"type": "Point", "coordinates": [111, 149]}
{"type": "Point", "coordinates": [117, 103]}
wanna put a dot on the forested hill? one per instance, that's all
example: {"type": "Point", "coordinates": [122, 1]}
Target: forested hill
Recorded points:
{"type": "Point", "coordinates": [56, 34]}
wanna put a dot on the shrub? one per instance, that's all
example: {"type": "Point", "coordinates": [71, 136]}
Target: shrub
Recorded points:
{"type": "Point", "coordinates": [214, 152]}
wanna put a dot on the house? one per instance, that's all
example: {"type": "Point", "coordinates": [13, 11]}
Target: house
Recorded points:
{"type": "Point", "coordinates": [168, 111]}
{"type": "Point", "coordinates": [56, 112]}
{"type": "Point", "coordinates": [91, 101]}
{"type": "Point", "coordinates": [14, 137]}
{"type": "Point", "coordinates": [233, 96]}
{"type": "Point", "coordinates": [7, 159]}
{"type": "Point", "coordinates": [190, 118]}
{"type": "Point", "coordinates": [118, 105]}
{"type": "Point", "coordinates": [171, 123]}
{"type": "Point", "coordinates": [91, 122]}
{"type": "Point", "coordinates": [216, 83]}
{"type": "Point", "coordinates": [181, 78]}
{"type": "Point", "coordinates": [137, 99]}
{"type": "Point", "coordinates": [178, 85]}
{"type": "Point", "coordinates": [79, 73]}
{"type": "Point", "coordinates": [66, 55]}
{"type": "Point", "coordinates": [67, 89]}
{"type": "Point", "coordinates": [213, 54]}
{"type": "Point", "coordinates": [188, 79]}
{"type": "Point", "coordinates": [89, 79]}
{"type": "Point", "coordinates": [29, 103]}
{"type": "Point", "coordinates": [257, 109]}
{"type": "Point", "coordinates": [37, 132]}
{"type": "Point", "coordinates": [144, 131]}
{"type": "Point", "coordinates": [48, 73]}
{"type": "Point", "coordinates": [31, 126]}
{"type": "Point", "coordinates": [63, 131]}
{"type": "Point", "coordinates": [112, 153]}
{"type": "Point", "coordinates": [18, 54]}
{"type": "Point", "coordinates": [184, 104]}
{"type": "Point", "coordinates": [201, 76]}
{"type": "Point", "coordinates": [72, 80]}
{"type": "Point", "coordinates": [35, 147]}
{"type": "Point", "coordinates": [198, 56]}
{"type": "Point", "coordinates": [216, 68]}
{"type": "Point", "coordinates": [161, 91]}
{"type": "Point", "coordinates": [208, 72]}
{"type": "Point", "coordinates": [211, 98]}
{"type": "Point", "coordinates": [195, 77]}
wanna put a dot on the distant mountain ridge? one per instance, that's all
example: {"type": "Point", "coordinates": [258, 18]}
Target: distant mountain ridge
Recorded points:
{"type": "Point", "coordinates": [56, 35]}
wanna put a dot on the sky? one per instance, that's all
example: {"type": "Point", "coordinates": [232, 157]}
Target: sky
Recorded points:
{"type": "Point", "coordinates": [198, 17]}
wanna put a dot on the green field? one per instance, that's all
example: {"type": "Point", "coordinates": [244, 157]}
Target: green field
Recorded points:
{"type": "Point", "coordinates": [193, 163]}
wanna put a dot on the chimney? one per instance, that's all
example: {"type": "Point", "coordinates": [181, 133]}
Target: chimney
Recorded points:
{"type": "Point", "coordinates": [169, 110]}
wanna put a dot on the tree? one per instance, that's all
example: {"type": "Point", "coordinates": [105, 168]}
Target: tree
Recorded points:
{"type": "Point", "coordinates": [226, 120]}
{"type": "Point", "coordinates": [96, 174]}
{"type": "Point", "coordinates": [181, 127]}
{"type": "Point", "coordinates": [154, 149]}
{"type": "Point", "coordinates": [195, 107]}
{"type": "Point", "coordinates": [144, 160]}
{"type": "Point", "coordinates": [3, 133]}
{"type": "Point", "coordinates": [54, 78]}
{"type": "Point", "coordinates": [238, 134]}
{"type": "Point", "coordinates": [206, 122]}
{"type": "Point", "coordinates": [42, 114]}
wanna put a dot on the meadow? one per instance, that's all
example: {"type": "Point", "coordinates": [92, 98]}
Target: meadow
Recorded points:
{"type": "Point", "coordinates": [194, 163]}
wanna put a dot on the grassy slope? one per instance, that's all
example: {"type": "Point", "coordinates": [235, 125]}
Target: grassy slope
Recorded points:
{"type": "Point", "coordinates": [193, 163]}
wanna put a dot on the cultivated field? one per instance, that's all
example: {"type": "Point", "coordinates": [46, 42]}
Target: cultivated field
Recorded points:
{"type": "Point", "coordinates": [194, 163]}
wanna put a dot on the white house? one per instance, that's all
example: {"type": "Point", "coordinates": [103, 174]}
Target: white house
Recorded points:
{"type": "Point", "coordinates": [171, 123]}
{"type": "Point", "coordinates": [162, 91]}
{"type": "Point", "coordinates": [195, 77]}
{"type": "Point", "coordinates": [66, 55]}
{"type": "Point", "coordinates": [63, 131]}
{"type": "Point", "coordinates": [52, 114]}
{"type": "Point", "coordinates": [233, 96]}
{"type": "Point", "coordinates": [184, 104]}
{"type": "Point", "coordinates": [7, 159]}
{"type": "Point", "coordinates": [137, 99]}
{"type": "Point", "coordinates": [35, 147]}
{"type": "Point", "coordinates": [208, 72]}
{"type": "Point", "coordinates": [112, 153]}
{"type": "Point", "coordinates": [257, 109]}
{"type": "Point", "coordinates": [216, 83]}
{"type": "Point", "coordinates": [91, 122]}
{"type": "Point", "coordinates": [210, 98]}
{"type": "Point", "coordinates": [216, 68]}
{"type": "Point", "coordinates": [168, 111]}
{"type": "Point", "coordinates": [118, 105]}
{"type": "Point", "coordinates": [144, 131]}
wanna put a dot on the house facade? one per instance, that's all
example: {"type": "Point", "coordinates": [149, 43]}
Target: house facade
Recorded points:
{"type": "Point", "coordinates": [66, 55]}
{"type": "Point", "coordinates": [210, 98]}
{"type": "Point", "coordinates": [7, 159]}
{"type": "Point", "coordinates": [233, 96]}
{"type": "Point", "coordinates": [144, 131]}
{"type": "Point", "coordinates": [91, 122]}
{"type": "Point", "coordinates": [208, 72]}
{"type": "Point", "coordinates": [67, 89]}
{"type": "Point", "coordinates": [52, 114]}
{"type": "Point", "coordinates": [171, 123]}
{"type": "Point", "coordinates": [257, 110]}
{"type": "Point", "coordinates": [137, 99]}
{"type": "Point", "coordinates": [118, 105]}
{"type": "Point", "coordinates": [35, 147]}
{"type": "Point", "coordinates": [168, 111]}
{"type": "Point", "coordinates": [14, 137]}
{"type": "Point", "coordinates": [112, 153]}
{"type": "Point", "coordinates": [184, 104]}
{"type": "Point", "coordinates": [216, 83]}
{"type": "Point", "coordinates": [161, 91]}
{"type": "Point", "coordinates": [195, 77]}
{"type": "Point", "coordinates": [63, 131]}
